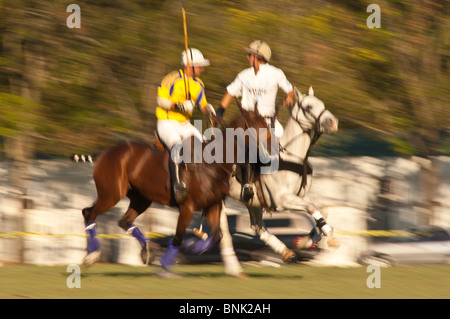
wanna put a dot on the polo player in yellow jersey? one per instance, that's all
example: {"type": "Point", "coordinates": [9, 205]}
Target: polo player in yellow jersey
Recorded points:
{"type": "Point", "coordinates": [178, 94]}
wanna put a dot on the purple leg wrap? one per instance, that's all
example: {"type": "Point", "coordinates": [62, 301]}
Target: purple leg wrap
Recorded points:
{"type": "Point", "coordinates": [199, 246]}
{"type": "Point", "coordinates": [136, 232]}
{"type": "Point", "coordinates": [169, 257]}
{"type": "Point", "coordinates": [92, 243]}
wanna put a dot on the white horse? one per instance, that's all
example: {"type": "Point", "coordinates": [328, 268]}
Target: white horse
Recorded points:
{"type": "Point", "coordinates": [284, 189]}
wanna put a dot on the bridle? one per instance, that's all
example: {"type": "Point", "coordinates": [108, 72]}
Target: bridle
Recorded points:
{"type": "Point", "coordinates": [314, 134]}
{"type": "Point", "coordinates": [307, 113]}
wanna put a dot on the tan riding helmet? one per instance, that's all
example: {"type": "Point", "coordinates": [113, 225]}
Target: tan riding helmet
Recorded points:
{"type": "Point", "coordinates": [259, 48]}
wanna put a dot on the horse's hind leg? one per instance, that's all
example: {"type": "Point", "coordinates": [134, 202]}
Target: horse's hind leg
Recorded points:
{"type": "Point", "coordinates": [303, 204]}
{"type": "Point", "coordinates": [138, 204]}
{"type": "Point", "coordinates": [267, 237]}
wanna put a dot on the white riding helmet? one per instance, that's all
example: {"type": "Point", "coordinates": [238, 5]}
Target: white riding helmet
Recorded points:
{"type": "Point", "coordinates": [195, 58]}
{"type": "Point", "coordinates": [259, 48]}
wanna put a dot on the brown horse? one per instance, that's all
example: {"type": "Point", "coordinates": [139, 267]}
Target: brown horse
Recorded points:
{"type": "Point", "coordinates": [141, 173]}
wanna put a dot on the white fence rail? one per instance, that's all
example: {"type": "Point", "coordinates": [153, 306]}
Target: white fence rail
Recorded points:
{"type": "Point", "coordinates": [51, 230]}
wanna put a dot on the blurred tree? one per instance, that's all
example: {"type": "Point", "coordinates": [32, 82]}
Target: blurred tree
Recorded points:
{"type": "Point", "coordinates": [24, 64]}
{"type": "Point", "coordinates": [421, 49]}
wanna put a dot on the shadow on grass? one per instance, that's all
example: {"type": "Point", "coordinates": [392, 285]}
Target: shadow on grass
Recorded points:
{"type": "Point", "coordinates": [158, 272]}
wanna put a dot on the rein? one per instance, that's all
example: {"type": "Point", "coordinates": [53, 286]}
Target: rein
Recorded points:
{"type": "Point", "coordinates": [314, 136]}
{"type": "Point", "coordinates": [212, 120]}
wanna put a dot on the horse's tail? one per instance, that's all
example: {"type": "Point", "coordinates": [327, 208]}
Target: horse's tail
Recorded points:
{"type": "Point", "coordinates": [83, 158]}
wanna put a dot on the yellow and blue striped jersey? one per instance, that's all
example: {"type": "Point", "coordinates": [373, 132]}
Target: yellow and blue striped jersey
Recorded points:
{"type": "Point", "coordinates": [174, 87]}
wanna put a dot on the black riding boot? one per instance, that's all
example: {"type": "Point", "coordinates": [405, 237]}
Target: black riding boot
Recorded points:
{"type": "Point", "coordinates": [247, 188]}
{"type": "Point", "coordinates": [179, 187]}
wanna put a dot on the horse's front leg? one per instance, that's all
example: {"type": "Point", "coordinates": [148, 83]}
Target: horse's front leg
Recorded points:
{"type": "Point", "coordinates": [267, 237]}
{"type": "Point", "coordinates": [213, 214]}
{"type": "Point", "coordinates": [171, 253]}
{"type": "Point", "coordinates": [89, 215]}
{"type": "Point", "coordinates": [93, 245]}
{"type": "Point", "coordinates": [205, 243]}
{"type": "Point", "coordinates": [229, 258]}
{"type": "Point", "coordinates": [293, 202]}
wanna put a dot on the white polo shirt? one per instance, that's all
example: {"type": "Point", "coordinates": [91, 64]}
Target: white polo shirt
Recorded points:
{"type": "Point", "coordinates": [261, 88]}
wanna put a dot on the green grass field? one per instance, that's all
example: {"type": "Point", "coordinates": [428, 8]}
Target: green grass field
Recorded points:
{"type": "Point", "coordinates": [295, 281]}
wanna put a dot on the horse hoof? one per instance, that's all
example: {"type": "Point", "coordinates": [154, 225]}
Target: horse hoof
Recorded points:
{"type": "Point", "coordinates": [242, 276]}
{"type": "Point", "coordinates": [145, 255]}
{"type": "Point", "coordinates": [333, 243]}
{"type": "Point", "coordinates": [170, 255]}
{"type": "Point", "coordinates": [198, 246]}
{"type": "Point", "coordinates": [289, 256]}
{"type": "Point", "coordinates": [166, 274]}
{"type": "Point", "coordinates": [303, 242]}
{"type": "Point", "coordinates": [91, 258]}
{"type": "Point", "coordinates": [237, 274]}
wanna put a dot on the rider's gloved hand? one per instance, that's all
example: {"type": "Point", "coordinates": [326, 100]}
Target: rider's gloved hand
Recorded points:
{"type": "Point", "coordinates": [187, 106]}
{"type": "Point", "coordinates": [210, 110]}
{"type": "Point", "coordinates": [219, 113]}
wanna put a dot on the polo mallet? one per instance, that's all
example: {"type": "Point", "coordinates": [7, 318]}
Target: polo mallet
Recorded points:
{"type": "Point", "coordinates": [188, 91]}
{"type": "Point", "coordinates": [197, 231]}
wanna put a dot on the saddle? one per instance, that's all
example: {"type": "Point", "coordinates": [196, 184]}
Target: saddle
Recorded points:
{"type": "Point", "coordinates": [255, 178]}
{"type": "Point", "coordinates": [169, 166]}
{"type": "Point", "coordinates": [158, 146]}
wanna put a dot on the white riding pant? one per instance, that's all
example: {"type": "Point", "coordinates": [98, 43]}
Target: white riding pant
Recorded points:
{"type": "Point", "coordinates": [172, 132]}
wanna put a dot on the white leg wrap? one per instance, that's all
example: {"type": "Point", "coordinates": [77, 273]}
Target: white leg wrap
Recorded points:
{"type": "Point", "coordinates": [91, 226]}
{"type": "Point", "coordinates": [324, 227]}
{"type": "Point", "coordinates": [130, 230]}
{"type": "Point", "coordinates": [229, 258]}
{"type": "Point", "coordinates": [273, 242]}
{"type": "Point", "coordinates": [231, 262]}
{"type": "Point", "coordinates": [317, 215]}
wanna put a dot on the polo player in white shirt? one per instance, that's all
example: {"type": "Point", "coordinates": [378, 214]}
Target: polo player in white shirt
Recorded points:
{"type": "Point", "coordinates": [258, 87]}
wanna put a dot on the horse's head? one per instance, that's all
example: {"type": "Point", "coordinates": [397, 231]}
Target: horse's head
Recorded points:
{"type": "Point", "coordinates": [253, 138]}
{"type": "Point", "coordinates": [251, 122]}
{"type": "Point", "coordinates": [311, 114]}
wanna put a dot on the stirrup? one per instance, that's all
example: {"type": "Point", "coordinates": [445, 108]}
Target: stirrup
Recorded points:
{"type": "Point", "coordinates": [247, 192]}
